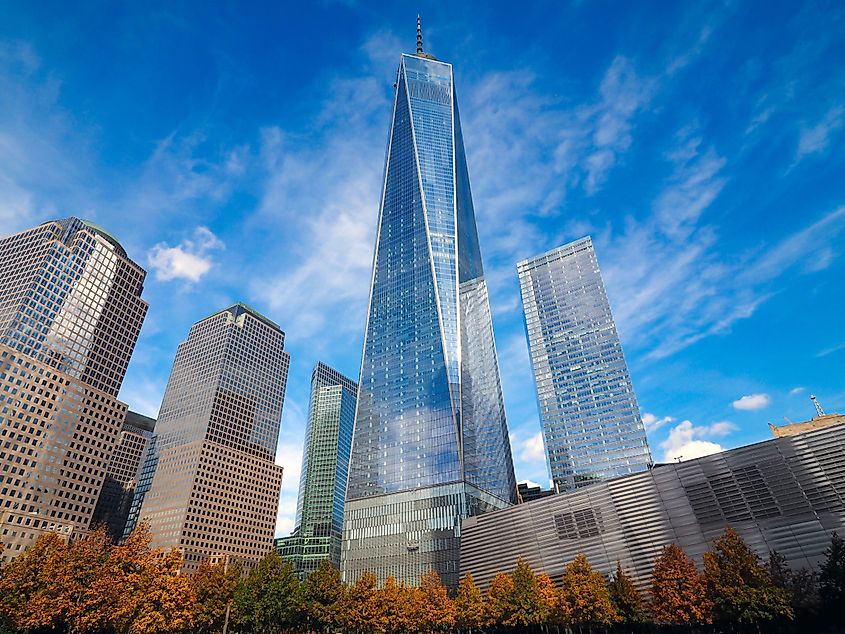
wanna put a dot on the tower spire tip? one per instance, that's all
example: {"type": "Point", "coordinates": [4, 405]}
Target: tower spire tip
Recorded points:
{"type": "Point", "coordinates": [419, 36]}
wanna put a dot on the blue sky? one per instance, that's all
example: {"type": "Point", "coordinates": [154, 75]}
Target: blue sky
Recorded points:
{"type": "Point", "coordinates": [237, 153]}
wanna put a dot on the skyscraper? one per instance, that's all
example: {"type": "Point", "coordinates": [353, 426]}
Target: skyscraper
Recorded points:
{"type": "Point", "coordinates": [118, 490]}
{"type": "Point", "coordinates": [430, 444]}
{"type": "Point", "coordinates": [215, 492]}
{"type": "Point", "coordinates": [591, 422]}
{"type": "Point", "coordinates": [70, 314]}
{"type": "Point", "coordinates": [325, 469]}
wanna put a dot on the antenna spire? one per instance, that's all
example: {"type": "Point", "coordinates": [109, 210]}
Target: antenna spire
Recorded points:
{"type": "Point", "coordinates": [819, 409]}
{"type": "Point", "coordinates": [419, 36]}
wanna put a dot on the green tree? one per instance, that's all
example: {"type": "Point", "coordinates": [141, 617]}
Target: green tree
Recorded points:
{"type": "Point", "coordinates": [800, 585]}
{"type": "Point", "coordinates": [270, 598]}
{"type": "Point", "coordinates": [527, 604]}
{"type": "Point", "coordinates": [214, 587]}
{"type": "Point", "coordinates": [469, 605]}
{"type": "Point", "coordinates": [832, 574]}
{"type": "Point", "coordinates": [678, 590]}
{"type": "Point", "coordinates": [584, 599]}
{"type": "Point", "coordinates": [742, 590]}
{"type": "Point", "coordinates": [323, 594]}
{"type": "Point", "coordinates": [626, 599]}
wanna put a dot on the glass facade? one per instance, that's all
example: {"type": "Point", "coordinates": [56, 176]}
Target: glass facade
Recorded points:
{"type": "Point", "coordinates": [591, 422]}
{"type": "Point", "coordinates": [325, 470]}
{"type": "Point", "coordinates": [125, 464]}
{"type": "Point", "coordinates": [430, 417]}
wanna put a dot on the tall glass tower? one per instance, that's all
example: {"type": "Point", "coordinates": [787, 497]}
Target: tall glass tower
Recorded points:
{"type": "Point", "coordinates": [591, 422]}
{"type": "Point", "coordinates": [431, 444]}
{"type": "Point", "coordinates": [325, 470]}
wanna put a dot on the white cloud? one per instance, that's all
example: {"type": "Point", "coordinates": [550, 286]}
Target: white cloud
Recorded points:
{"type": "Point", "coordinates": [532, 449]}
{"type": "Point", "coordinates": [752, 402]}
{"type": "Point", "coordinates": [653, 423]}
{"type": "Point", "coordinates": [796, 390]}
{"type": "Point", "coordinates": [687, 441]}
{"type": "Point", "coordinates": [190, 260]}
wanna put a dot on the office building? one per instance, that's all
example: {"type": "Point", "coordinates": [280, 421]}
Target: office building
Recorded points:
{"type": "Point", "coordinates": [317, 533]}
{"type": "Point", "coordinates": [528, 493]}
{"type": "Point", "coordinates": [215, 491]}
{"type": "Point", "coordinates": [591, 422]}
{"type": "Point", "coordinates": [786, 494]}
{"type": "Point", "coordinates": [431, 444]}
{"type": "Point", "coordinates": [122, 472]}
{"type": "Point", "coordinates": [70, 314]}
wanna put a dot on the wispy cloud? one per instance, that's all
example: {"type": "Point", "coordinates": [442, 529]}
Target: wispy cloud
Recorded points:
{"type": "Point", "coordinates": [816, 139]}
{"type": "Point", "coordinates": [652, 423]}
{"type": "Point", "coordinates": [190, 260]}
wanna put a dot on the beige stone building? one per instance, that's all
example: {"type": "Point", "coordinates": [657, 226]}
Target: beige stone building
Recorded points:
{"type": "Point", "coordinates": [70, 315]}
{"type": "Point", "coordinates": [215, 492]}
{"type": "Point", "coordinates": [819, 422]}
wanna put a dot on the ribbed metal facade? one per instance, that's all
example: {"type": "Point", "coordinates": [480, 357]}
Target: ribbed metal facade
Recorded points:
{"type": "Point", "coordinates": [786, 494]}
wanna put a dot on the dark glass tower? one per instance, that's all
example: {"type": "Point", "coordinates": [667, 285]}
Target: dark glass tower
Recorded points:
{"type": "Point", "coordinates": [325, 470]}
{"type": "Point", "coordinates": [430, 445]}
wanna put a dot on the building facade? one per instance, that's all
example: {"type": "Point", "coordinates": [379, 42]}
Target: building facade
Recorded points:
{"type": "Point", "coordinates": [786, 494]}
{"type": "Point", "coordinates": [591, 422]}
{"type": "Point", "coordinates": [215, 491]}
{"type": "Point", "coordinates": [146, 471]}
{"type": "Point", "coordinates": [122, 473]}
{"type": "Point", "coordinates": [70, 315]}
{"type": "Point", "coordinates": [430, 445]}
{"type": "Point", "coordinates": [318, 530]}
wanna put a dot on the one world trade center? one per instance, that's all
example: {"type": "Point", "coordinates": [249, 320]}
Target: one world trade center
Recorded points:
{"type": "Point", "coordinates": [430, 445]}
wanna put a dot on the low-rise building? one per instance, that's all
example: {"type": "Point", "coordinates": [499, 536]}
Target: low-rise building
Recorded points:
{"type": "Point", "coordinates": [786, 494]}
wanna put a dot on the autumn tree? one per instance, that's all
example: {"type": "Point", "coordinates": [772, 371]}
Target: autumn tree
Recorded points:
{"type": "Point", "coordinates": [584, 599]}
{"type": "Point", "coordinates": [361, 606]}
{"type": "Point", "coordinates": [740, 587]}
{"type": "Point", "coordinates": [832, 574]}
{"type": "Point", "coordinates": [163, 600]}
{"type": "Point", "coordinates": [469, 605]}
{"type": "Point", "coordinates": [270, 598]}
{"type": "Point", "coordinates": [214, 587]}
{"type": "Point", "coordinates": [549, 601]}
{"type": "Point", "coordinates": [27, 589]}
{"type": "Point", "coordinates": [499, 605]}
{"type": "Point", "coordinates": [323, 594]}
{"type": "Point", "coordinates": [396, 606]}
{"type": "Point", "coordinates": [147, 592]}
{"type": "Point", "coordinates": [678, 590]}
{"type": "Point", "coordinates": [435, 611]}
{"type": "Point", "coordinates": [91, 585]}
{"type": "Point", "coordinates": [625, 597]}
